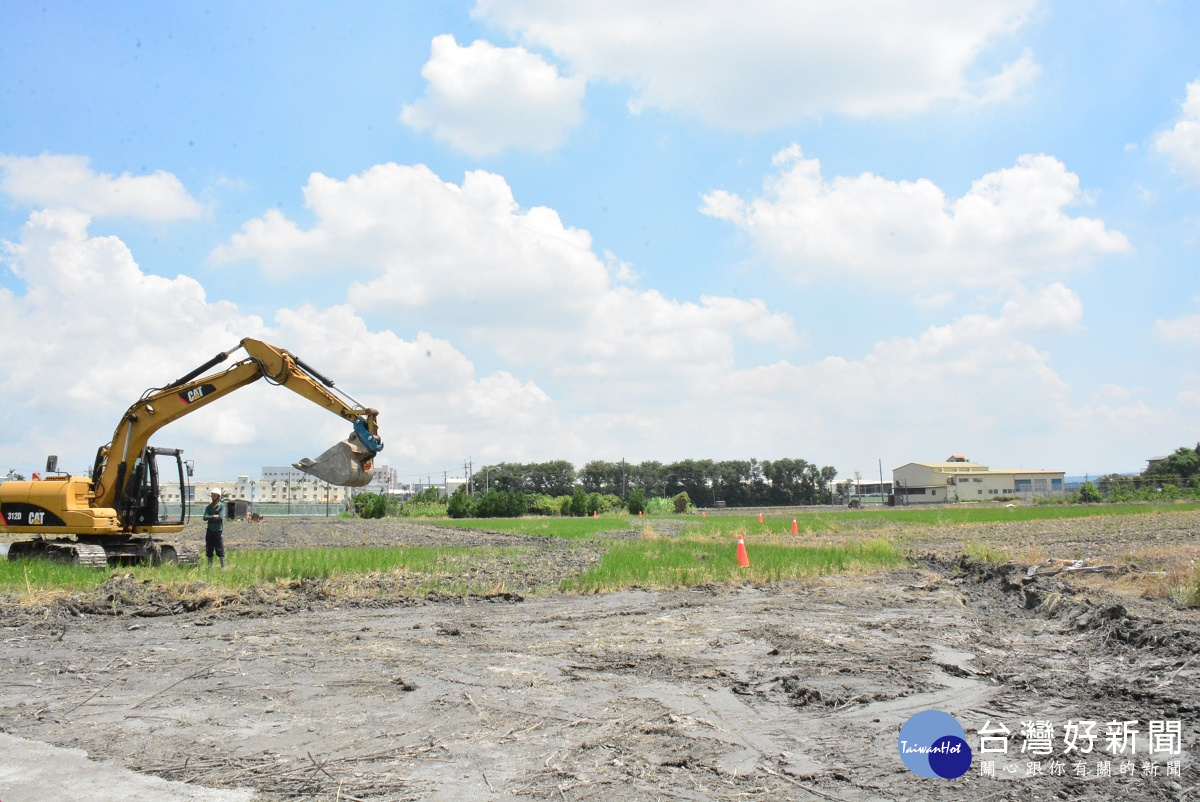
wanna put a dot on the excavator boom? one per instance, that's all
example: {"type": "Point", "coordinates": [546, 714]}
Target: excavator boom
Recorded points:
{"type": "Point", "coordinates": [348, 463]}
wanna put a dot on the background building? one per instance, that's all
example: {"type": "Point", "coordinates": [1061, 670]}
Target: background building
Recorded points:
{"type": "Point", "coordinates": [957, 479]}
{"type": "Point", "coordinates": [304, 489]}
{"type": "Point", "coordinates": [863, 491]}
{"type": "Point", "coordinates": [284, 490]}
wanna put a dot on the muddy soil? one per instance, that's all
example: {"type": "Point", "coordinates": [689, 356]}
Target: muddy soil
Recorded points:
{"type": "Point", "coordinates": [791, 691]}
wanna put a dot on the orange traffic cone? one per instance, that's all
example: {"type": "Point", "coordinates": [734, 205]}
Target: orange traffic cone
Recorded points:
{"type": "Point", "coordinates": [595, 513]}
{"type": "Point", "coordinates": [639, 513]}
{"type": "Point", "coordinates": [742, 558]}
{"type": "Point", "coordinates": [760, 517]}
{"type": "Point", "coordinates": [704, 515]}
{"type": "Point", "coordinates": [795, 529]}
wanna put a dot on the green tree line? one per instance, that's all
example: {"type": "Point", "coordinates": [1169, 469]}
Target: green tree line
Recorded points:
{"type": "Point", "coordinates": [737, 483]}
{"type": "Point", "coordinates": [1183, 464]}
{"type": "Point", "coordinates": [1174, 478]}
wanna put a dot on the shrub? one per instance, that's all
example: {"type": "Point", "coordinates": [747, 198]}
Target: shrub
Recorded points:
{"type": "Point", "coordinates": [611, 503]}
{"type": "Point", "coordinates": [377, 507]}
{"type": "Point", "coordinates": [501, 504]}
{"type": "Point", "coordinates": [460, 505]}
{"type": "Point", "coordinates": [1088, 494]}
{"type": "Point", "coordinates": [1122, 494]}
{"type": "Point", "coordinates": [429, 503]}
{"type": "Point", "coordinates": [659, 506]}
{"type": "Point", "coordinates": [370, 505]}
{"type": "Point", "coordinates": [636, 502]}
{"type": "Point", "coordinates": [541, 504]}
{"type": "Point", "coordinates": [579, 503]}
{"type": "Point", "coordinates": [682, 502]}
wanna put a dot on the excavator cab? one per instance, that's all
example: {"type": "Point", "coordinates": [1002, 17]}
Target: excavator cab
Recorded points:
{"type": "Point", "coordinates": [141, 503]}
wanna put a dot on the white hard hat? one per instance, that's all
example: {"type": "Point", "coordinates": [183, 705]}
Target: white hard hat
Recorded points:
{"type": "Point", "coordinates": [214, 491]}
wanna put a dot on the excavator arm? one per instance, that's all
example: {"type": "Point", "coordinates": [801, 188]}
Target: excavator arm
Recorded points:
{"type": "Point", "coordinates": [347, 463]}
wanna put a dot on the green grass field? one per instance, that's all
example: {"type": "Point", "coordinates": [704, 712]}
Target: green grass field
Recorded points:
{"type": "Point", "coordinates": [570, 528]}
{"type": "Point", "coordinates": [819, 522]}
{"type": "Point", "coordinates": [249, 569]}
{"type": "Point", "coordinates": [662, 563]}
{"type": "Point", "coordinates": [667, 551]}
{"type": "Point", "coordinates": [811, 522]}
{"type": "Point", "coordinates": [650, 562]}
{"type": "Point", "coordinates": [815, 522]}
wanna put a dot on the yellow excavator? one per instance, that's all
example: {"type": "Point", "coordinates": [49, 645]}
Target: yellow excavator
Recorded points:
{"type": "Point", "coordinates": [113, 517]}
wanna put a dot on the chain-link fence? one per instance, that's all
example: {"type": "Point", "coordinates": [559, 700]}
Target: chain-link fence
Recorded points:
{"type": "Point", "coordinates": [1141, 488]}
{"type": "Point", "coordinates": [274, 510]}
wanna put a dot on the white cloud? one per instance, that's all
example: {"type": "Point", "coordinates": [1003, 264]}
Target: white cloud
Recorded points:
{"type": "Point", "coordinates": [953, 385]}
{"type": "Point", "coordinates": [482, 99]}
{"type": "Point", "coordinates": [1114, 392]}
{"type": "Point", "coordinates": [1181, 329]}
{"type": "Point", "coordinates": [519, 281]}
{"type": "Point", "coordinates": [1011, 224]}
{"type": "Point", "coordinates": [934, 300]}
{"type": "Point", "coordinates": [89, 331]}
{"type": "Point", "coordinates": [622, 371]}
{"type": "Point", "coordinates": [1005, 85]}
{"type": "Point", "coordinates": [56, 181]}
{"type": "Point", "coordinates": [1182, 142]}
{"type": "Point", "coordinates": [1054, 308]}
{"type": "Point", "coordinates": [762, 64]}
{"type": "Point", "coordinates": [407, 222]}
{"type": "Point", "coordinates": [433, 405]}
{"type": "Point", "coordinates": [975, 385]}
{"type": "Point", "coordinates": [646, 377]}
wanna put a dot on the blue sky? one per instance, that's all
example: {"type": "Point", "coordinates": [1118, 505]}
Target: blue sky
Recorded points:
{"type": "Point", "coordinates": [530, 231]}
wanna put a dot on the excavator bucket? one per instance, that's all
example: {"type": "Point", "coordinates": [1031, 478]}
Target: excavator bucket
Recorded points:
{"type": "Point", "coordinates": [347, 463]}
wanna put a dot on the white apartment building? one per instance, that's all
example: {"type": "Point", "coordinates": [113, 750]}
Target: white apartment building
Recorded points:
{"type": "Point", "coordinates": [262, 491]}
{"type": "Point", "coordinates": [288, 485]}
{"type": "Point", "coordinates": [281, 485]}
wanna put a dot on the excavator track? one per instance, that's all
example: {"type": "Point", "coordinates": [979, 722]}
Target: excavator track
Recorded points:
{"type": "Point", "coordinates": [67, 551]}
{"type": "Point", "coordinates": [94, 555]}
{"type": "Point", "coordinates": [179, 554]}
{"type": "Point", "coordinates": [145, 551]}
{"type": "Point", "coordinates": [90, 556]}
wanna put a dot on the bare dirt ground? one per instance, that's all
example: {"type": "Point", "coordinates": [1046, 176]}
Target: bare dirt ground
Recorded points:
{"type": "Point", "coordinates": [791, 691]}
